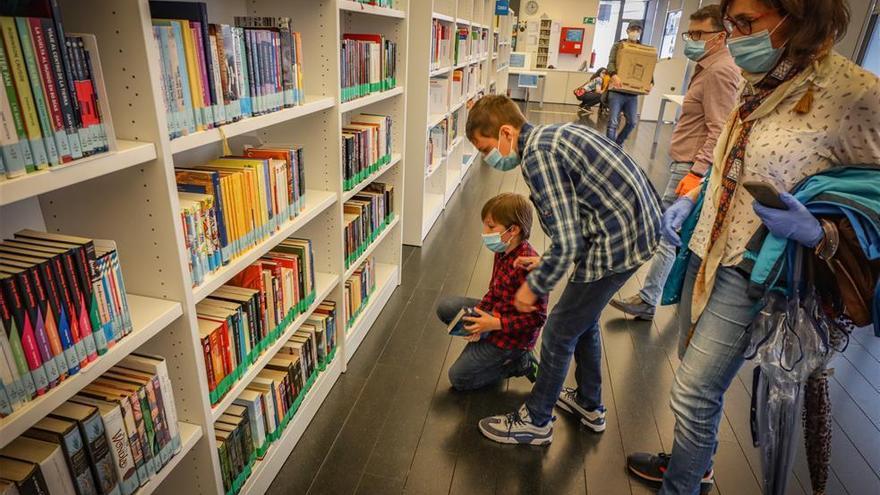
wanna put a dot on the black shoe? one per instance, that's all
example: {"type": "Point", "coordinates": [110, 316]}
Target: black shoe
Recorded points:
{"type": "Point", "coordinates": [528, 367]}
{"type": "Point", "coordinates": [635, 306]}
{"type": "Point", "coordinates": [651, 468]}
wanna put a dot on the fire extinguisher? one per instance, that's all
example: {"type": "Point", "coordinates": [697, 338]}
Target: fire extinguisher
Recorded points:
{"type": "Point", "coordinates": [593, 59]}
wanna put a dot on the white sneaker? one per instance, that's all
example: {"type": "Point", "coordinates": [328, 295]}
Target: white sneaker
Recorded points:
{"type": "Point", "coordinates": [592, 419]}
{"type": "Point", "coordinates": [516, 428]}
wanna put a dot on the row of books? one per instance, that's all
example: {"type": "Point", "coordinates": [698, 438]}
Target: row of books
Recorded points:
{"type": "Point", "coordinates": [261, 413]}
{"type": "Point", "coordinates": [378, 3]}
{"type": "Point", "coordinates": [241, 319]}
{"type": "Point", "coordinates": [232, 203]}
{"type": "Point", "coordinates": [441, 44]}
{"type": "Point", "coordinates": [462, 49]}
{"type": "Point", "coordinates": [48, 102]}
{"type": "Point", "coordinates": [438, 95]}
{"type": "Point", "coordinates": [365, 216]}
{"type": "Point", "coordinates": [438, 146]}
{"type": "Point", "coordinates": [368, 65]}
{"type": "Point", "coordinates": [62, 304]}
{"type": "Point", "coordinates": [472, 77]}
{"type": "Point", "coordinates": [366, 147]}
{"type": "Point", "coordinates": [358, 288]}
{"type": "Point", "coordinates": [214, 74]}
{"type": "Point", "coordinates": [109, 439]}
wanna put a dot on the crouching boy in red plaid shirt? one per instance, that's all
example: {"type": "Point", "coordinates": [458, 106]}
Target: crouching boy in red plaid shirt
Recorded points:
{"type": "Point", "coordinates": [502, 338]}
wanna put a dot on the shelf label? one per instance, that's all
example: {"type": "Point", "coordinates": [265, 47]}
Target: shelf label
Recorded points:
{"type": "Point", "coordinates": [502, 7]}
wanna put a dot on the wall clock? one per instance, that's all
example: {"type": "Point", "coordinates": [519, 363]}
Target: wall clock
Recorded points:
{"type": "Point", "coordinates": [531, 7]}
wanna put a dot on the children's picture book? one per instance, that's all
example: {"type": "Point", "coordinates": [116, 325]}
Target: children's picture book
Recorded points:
{"type": "Point", "coordinates": [457, 325]}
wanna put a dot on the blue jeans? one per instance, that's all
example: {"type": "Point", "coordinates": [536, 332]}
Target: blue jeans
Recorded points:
{"type": "Point", "coordinates": [663, 258]}
{"type": "Point", "coordinates": [709, 363]}
{"type": "Point", "coordinates": [481, 363]}
{"type": "Point", "coordinates": [629, 104]}
{"type": "Point", "coordinates": [572, 328]}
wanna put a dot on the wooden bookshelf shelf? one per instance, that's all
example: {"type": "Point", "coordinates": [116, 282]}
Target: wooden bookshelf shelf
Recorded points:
{"type": "Point", "coordinates": [442, 17]}
{"type": "Point", "coordinates": [209, 136]}
{"type": "Point", "coordinates": [395, 159]}
{"type": "Point", "coordinates": [265, 470]}
{"type": "Point", "coordinates": [149, 316]}
{"type": "Point", "coordinates": [371, 247]}
{"type": "Point", "coordinates": [359, 103]}
{"type": "Point", "coordinates": [316, 202]}
{"type": "Point", "coordinates": [189, 435]}
{"type": "Point", "coordinates": [127, 154]}
{"type": "Point", "coordinates": [324, 283]}
{"type": "Point", "coordinates": [386, 281]}
{"type": "Point", "coordinates": [433, 208]}
{"type": "Point", "coordinates": [441, 71]}
{"type": "Point", "coordinates": [363, 8]}
{"type": "Point", "coordinates": [436, 118]}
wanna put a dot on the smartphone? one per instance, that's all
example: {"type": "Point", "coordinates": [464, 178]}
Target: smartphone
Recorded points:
{"type": "Point", "coordinates": [765, 193]}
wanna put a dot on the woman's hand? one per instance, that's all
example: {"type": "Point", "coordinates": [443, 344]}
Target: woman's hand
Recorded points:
{"type": "Point", "coordinates": [795, 223]}
{"type": "Point", "coordinates": [528, 263]}
{"type": "Point", "coordinates": [673, 217]}
{"type": "Point", "coordinates": [482, 323]}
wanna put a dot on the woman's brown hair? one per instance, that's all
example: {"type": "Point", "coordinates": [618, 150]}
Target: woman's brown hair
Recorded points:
{"type": "Point", "coordinates": [812, 25]}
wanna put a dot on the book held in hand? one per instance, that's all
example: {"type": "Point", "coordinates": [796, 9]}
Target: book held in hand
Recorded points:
{"type": "Point", "coordinates": [457, 325]}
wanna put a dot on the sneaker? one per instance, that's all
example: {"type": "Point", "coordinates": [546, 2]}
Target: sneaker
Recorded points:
{"type": "Point", "coordinates": [635, 306]}
{"type": "Point", "coordinates": [516, 428]}
{"type": "Point", "coordinates": [593, 419]}
{"type": "Point", "coordinates": [651, 468]}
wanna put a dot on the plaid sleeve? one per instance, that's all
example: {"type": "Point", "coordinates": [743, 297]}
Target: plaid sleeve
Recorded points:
{"type": "Point", "coordinates": [517, 329]}
{"type": "Point", "coordinates": [554, 197]}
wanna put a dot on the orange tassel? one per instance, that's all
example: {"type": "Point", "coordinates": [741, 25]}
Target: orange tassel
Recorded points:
{"type": "Point", "coordinates": [806, 102]}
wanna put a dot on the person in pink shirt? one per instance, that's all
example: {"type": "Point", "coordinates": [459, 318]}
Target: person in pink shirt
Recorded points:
{"type": "Point", "coordinates": [710, 97]}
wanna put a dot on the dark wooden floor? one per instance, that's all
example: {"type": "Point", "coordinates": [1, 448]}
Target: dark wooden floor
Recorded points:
{"type": "Point", "coordinates": [392, 424]}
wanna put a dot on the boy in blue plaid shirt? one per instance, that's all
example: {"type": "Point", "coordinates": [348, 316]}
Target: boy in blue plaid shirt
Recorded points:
{"type": "Point", "coordinates": [602, 215]}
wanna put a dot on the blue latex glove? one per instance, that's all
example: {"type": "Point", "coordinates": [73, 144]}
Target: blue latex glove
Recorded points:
{"type": "Point", "coordinates": [795, 223]}
{"type": "Point", "coordinates": [673, 217]}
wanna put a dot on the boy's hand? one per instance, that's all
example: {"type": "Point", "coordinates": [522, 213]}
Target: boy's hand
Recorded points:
{"type": "Point", "coordinates": [528, 263]}
{"type": "Point", "coordinates": [482, 323]}
{"type": "Point", "coordinates": [524, 300]}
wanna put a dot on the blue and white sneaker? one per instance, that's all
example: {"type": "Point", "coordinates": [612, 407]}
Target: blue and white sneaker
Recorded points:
{"type": "Point", "coordinates": [592, 419]}
{"type": "Point", "coordinates": [516, 428]}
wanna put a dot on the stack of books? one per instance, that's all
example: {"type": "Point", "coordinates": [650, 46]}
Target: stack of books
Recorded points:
{"type": "Point", "coordinates": [462, 45]}
{"type": "Point", "coordinates": [214, 74]}
{"type": "Point", "coordinates": [234, 202]}
{"type": "Point", "coordinates": [438, 95]}
{"type": "Point", "coordinates": [438, 144]}
{"type": "Point", "coordinates": [366, 215]}
{"type": "Point", "coordinates": [368, 65]}
{"type": "Point", "coordinates": [457, 85]}
{"type": "Point", "coordinates": [62, 304]}
{"type": "Point", "coordinates": [366, 147]}
{"type": "Point", "coordinates": [49, 99]}
{"type": "Point", "coordinates": [358, 289]}
{"type": "Point", "coordinates": [111, 438]}
{"type": "Point", "coordinates": [474, 75]}
{"type": "Point", "coordinates": [482, 42]}
{"type": "Point", "coordinates": [261, 413]}
{"type": "Point", "coordinates": [240, 320]}
{"type": "Point", "coordinates": [441, 44]}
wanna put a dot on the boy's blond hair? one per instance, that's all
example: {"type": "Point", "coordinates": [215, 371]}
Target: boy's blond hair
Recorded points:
{"type": "Point", "coordinates": [491, 112]}
{"type": "Point", "coordinates": [510, 209]}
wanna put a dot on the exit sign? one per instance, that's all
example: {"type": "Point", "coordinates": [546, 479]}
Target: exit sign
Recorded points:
{"type": "Point", "coordinates": [589, 20]}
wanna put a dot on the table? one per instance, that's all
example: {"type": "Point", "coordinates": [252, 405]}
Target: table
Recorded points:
{"type": "Point", "coordinates": [541, 81]}
{"type": "Point", "coordinates": [676, 99]}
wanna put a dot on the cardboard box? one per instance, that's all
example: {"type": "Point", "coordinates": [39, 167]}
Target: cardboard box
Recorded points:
{"type": "Point", "coordinates": [635, 67]}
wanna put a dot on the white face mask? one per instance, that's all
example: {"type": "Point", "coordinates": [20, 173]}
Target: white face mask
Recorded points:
{"type": "Point", "coordinates": [633, 35]}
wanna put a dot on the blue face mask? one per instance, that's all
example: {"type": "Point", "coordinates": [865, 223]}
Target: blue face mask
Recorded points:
{"type": "Point", "coordinates": [494, 243]}
{"type": "Point", "coordinates": [694, 49]}
{"type": "Point", "coordinates": [500, 162]}
{"type": "Point", "coordinates": [755, 53]}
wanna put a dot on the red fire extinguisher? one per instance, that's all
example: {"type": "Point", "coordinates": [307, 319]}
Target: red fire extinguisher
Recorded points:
{"type": "Point", "coordinates": [593, 59]}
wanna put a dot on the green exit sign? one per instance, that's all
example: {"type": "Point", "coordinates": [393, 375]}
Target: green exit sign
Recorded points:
{"type": "Point", "coordinates": [589, 20]}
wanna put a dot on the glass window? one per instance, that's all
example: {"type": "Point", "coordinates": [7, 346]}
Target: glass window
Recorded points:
{"type": "Point", "coordinates": [670, 34]}
{"type": "Point", "coordinates": [606, 29]}
{"type": "Point", "coordinates": [870, 56]}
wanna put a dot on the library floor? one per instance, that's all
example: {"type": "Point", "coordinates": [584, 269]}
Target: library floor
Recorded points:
{"type": "Point", "coordinates": [393, 425]}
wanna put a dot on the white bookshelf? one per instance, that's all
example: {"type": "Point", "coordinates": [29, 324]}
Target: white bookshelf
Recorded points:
{"type": "Point", "coordinates": [429, 187]}
{"type": "Point", "coordinates": [129, 195]}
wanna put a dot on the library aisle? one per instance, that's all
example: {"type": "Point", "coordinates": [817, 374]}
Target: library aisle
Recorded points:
{"type": "Point", "coordinates": [392, 424]}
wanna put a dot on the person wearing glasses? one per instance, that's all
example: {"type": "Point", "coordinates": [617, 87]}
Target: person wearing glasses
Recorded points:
{"type": "Point", "coordinates": [708, 101]}
{"type": "Point", "coordinates": [618, 100]}
{"type": "Point", "coordinates": [804, 109]}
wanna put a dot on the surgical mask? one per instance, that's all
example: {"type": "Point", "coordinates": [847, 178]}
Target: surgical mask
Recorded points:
{"type": "Point", "coordinates": [494, 243]}
{"type": "Point", "coordinates": [755, 53]}
{"type": "Point", "coordinates": [500, 162]}
{"type": "Point", "coordinates": [633, 35]}
{"type": "Point", "coordinates": [694, 49]}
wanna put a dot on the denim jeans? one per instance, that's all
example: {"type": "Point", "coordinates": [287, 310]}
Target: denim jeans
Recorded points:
{"type": "Point", "coordinates": [481, 363]}
{"type": "Point", "coordinates": [572, 328]}
{"type": "Point", "coordinates": [663, 258]}
{"type": "Point", "coordinates": [629, 104]}
{"type": "Point", "coordinates": [709, 363]}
